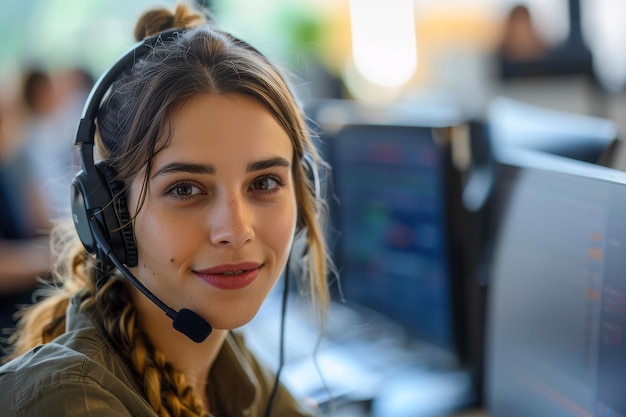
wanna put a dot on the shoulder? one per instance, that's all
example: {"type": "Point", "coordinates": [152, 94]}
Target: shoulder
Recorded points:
{"type": "Point", "coordinates": [73, 378]}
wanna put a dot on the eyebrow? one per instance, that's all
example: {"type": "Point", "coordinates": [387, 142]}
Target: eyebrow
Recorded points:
{"type": "Point", "coordinates": [209, 169]}
{"type": "Point", "coordinates": [185, 167]}
{"type": "Point", "coordinates": [267, 163]}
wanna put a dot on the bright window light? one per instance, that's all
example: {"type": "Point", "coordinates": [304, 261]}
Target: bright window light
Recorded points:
{"type": "Point", "coordinates": [383, 40]}
{"type": "Point", "coordinates": [606, 34]}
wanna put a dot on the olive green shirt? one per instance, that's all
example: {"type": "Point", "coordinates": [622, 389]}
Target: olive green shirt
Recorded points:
{"type": "Point", "coordinates": [81, 374]}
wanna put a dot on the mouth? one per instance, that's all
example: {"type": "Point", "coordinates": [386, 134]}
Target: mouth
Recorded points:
{"type": "Point", "coordinates": [230, 277]}
{"type": "Point", "coordinates": [231, 273]}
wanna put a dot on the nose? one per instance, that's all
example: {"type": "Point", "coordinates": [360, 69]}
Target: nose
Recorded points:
{"type": "Point", "coordinates": [231, 222]}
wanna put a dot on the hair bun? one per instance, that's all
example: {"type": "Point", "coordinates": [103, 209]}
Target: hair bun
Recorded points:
{"type": "Point", "coordinates": [158, 20]}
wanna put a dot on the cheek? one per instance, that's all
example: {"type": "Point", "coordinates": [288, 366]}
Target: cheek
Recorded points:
{"type": "Point", "coordinates": [154, 236]}
{"type": "Point", "coordinates": [279, 229]}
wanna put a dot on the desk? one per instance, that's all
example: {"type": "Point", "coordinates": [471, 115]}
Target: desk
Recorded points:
{"type": "Point", "coordinates": [361, 410]}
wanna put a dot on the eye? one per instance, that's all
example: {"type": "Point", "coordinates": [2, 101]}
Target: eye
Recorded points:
{"type": "Point", "coordinates": [183, 190]}
{"type": "Point", "coordinates": [266, 184]}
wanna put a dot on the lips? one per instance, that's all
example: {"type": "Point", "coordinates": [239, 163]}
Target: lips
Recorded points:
{"type": "Point", "coordinates": [231, 276]}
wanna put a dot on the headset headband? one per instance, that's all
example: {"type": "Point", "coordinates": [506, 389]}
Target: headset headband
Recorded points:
{"type": "Point", "coordinates": [86, 127]}
{"type": "Point", "coordinates": [85, 135]}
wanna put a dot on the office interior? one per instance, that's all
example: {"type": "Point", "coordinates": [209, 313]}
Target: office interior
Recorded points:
{"type": "Point", "coordinates": [475, 184]}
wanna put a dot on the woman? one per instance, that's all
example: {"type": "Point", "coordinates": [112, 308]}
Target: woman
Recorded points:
{"type": "Point", "coordinates": [207, 143]}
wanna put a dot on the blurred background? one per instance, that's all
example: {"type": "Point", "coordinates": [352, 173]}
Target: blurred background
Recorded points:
{"type": "Point", "coordinates": [365, 49]}
{"type": "Point", "coordinates": [446, 50]}
{"type": "Point", "coordinates": [413, 95]}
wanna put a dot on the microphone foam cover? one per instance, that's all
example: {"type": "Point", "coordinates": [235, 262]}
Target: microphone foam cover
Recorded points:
{"type": "Point", "coordinates": [192, 325]}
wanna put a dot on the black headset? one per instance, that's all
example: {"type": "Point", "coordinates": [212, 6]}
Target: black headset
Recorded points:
{"type": "Point", "coordinates": [98, 201]}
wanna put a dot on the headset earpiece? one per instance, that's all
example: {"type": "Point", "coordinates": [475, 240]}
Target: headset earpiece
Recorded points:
{"type": "Point", "coordinates": [98, 194]}
{"type": "Point", "coordinates": [123, 219]}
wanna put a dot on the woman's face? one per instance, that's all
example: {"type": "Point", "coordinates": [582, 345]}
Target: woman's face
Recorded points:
{"type": "Point", "coordinates": [219, 217]}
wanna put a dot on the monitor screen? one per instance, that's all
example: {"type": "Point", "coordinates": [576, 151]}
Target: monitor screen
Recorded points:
{"type": "Point", "coordinates": [557, 290]}
{"type": "Point", "coordinates": [391, 215]}
{"type": "Point", "coordinates": [513, 123]}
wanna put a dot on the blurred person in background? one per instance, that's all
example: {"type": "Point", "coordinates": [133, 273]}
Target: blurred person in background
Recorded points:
{"type": "Point", "coordinates": [24, 225]}
{"type": "Point", "coordinates": [521, 41]}
{"type": "Point", "coordinates": [52, 114]}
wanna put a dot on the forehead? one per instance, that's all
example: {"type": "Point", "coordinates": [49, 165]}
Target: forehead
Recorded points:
{"type": "Point", "coordinates": [219, 126]}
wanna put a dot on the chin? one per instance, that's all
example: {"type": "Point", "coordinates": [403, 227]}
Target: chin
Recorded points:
{"type": "Point", "coordinates": [233, 322]}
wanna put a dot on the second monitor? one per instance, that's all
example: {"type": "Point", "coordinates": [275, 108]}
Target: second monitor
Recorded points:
{"type": "Point", "coordinates": [557, 292]}
{"type": "Point", "coordinates": [397, 194]}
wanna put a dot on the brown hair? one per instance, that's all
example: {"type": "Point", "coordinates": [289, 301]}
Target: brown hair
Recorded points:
{"type": "Point", "coordinates": [132, 128]}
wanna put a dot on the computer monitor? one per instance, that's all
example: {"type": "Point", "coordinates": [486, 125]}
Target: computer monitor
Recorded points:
{"type": "Point", "coordinates": [511, 123]}
{"type": "Point", "coordinates": [557, 291]}
{"type": "Point", "coordinates": [395, 254]}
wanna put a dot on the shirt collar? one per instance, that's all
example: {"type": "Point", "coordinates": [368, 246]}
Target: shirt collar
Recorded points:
{"type": "Point", "coordinates": [233, 386]}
